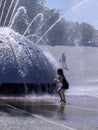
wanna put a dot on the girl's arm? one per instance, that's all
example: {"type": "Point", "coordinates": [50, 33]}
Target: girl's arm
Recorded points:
{"type": "Point", "coordinates": [61, 78]}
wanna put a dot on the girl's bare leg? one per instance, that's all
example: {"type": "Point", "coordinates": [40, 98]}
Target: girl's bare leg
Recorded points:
{"type": "Point", "coordinates": [60, 94]}
{"type": "Point", "coordinates": [63, 95]}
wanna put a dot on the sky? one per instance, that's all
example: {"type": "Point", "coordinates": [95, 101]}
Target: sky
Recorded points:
{"type": "Point", "coordinates": [76, 10]}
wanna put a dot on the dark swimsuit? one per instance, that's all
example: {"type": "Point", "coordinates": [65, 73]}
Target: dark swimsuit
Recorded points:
{"type": "Point", "coordinates": [65, 83]}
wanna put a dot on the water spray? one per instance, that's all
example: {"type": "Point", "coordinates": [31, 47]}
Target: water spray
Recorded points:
{"type": "Point", "coordinates": [75, 7]}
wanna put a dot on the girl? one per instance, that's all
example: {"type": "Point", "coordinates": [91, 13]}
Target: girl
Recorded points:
{"type": "Point", "coordinates": [62, 84]}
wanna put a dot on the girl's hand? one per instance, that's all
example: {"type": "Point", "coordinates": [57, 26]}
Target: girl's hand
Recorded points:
{"type": "Point", "coordinates": [55, 80]}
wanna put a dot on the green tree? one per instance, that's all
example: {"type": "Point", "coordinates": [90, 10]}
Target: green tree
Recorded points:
{"type": "Point", "coordinates": [87, 34]}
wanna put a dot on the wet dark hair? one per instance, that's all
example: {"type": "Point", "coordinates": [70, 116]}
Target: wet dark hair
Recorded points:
{"type": "Point", "coordinates": [60, 71]}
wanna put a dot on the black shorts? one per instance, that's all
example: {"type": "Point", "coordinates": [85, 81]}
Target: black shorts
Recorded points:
{"type": "Point", "coordinates": [66, 86]}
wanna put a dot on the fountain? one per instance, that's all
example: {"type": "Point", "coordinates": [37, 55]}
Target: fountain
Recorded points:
{"type": "Point", "coordinates": [22, 62]}
{"type": "Point", "coordinates": [24, 69]}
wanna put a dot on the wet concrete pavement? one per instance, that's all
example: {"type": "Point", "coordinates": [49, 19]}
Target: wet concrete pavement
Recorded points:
{"type": "Point", "coordinates": [42, 113]}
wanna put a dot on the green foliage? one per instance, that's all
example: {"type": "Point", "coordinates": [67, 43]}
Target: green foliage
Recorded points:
{"type": "Point", "coordinates": [87, 32]}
